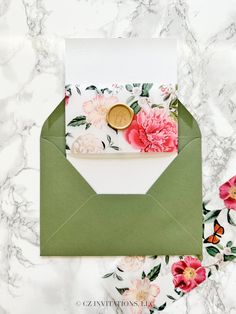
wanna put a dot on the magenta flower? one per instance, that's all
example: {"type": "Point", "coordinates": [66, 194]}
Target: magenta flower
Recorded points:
{"type": "Point", "coordinates": [228, 193]}
{"type": "Point", "coordinates": [188, 273]}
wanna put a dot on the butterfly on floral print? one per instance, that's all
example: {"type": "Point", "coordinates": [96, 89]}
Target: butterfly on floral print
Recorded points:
{"type": "Point", "coordinates": [216, 236]}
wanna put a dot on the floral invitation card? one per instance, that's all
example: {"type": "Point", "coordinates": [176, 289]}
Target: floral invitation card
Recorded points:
{"type": "Point", "coordinates": [153, 127]}
{"type": "Point", "coordinates": [138, 76]}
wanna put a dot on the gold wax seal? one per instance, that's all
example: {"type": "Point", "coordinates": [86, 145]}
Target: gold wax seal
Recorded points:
{"type": "Point", "coordinates": [120, 116]}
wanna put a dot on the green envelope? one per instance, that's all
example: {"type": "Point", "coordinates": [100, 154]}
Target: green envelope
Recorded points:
{"type": "Point", "coordinates": [75, 221]}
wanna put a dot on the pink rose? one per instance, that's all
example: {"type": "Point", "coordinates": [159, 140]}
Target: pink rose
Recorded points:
{"type": "Point", "coordinates": [188, 273]}
{"type": "Point", "coordinates": [97, 109]}
{"type": "Point", "coordinates": [228, 193]}
{"type": "Point", "coordinates": [142, 292]}
{"type": "Point", "coordinates": [153, 130]}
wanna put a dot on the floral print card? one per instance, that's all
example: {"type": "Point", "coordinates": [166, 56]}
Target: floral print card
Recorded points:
{"type": "Point", "coordinates": [149, 284]}
{"type": "Point", "coordinates": [153, 129]}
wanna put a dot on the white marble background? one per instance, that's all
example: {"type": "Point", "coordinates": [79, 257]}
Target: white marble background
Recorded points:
{"type": "Point", "coordinates": [31, 85]}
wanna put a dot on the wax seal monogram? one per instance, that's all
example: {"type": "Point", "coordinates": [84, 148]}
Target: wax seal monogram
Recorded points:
{"type": "Point", "coordinates": [120, 116]}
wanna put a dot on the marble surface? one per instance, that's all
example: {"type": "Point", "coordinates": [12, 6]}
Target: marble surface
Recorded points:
{"type": "Point", "coordinates": [31, 76]}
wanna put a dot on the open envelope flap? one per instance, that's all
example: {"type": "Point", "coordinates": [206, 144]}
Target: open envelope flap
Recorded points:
{"type": "Point", "coordinates": [77, 221]}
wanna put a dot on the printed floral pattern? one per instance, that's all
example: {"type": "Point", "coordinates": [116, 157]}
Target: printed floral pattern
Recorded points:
{"type": "Point", "coordinates": [228, 193]}
{"type": "Point", "coordinates": [142, 291]}
{"type": "Point", "coordinates": [97, 109]}
{"type": "Point", "coordinates": [188, 273]}
{"type": "Point", "coordinates": [160, 280]}
{"type": "Point", "coordinates": [153, 129]}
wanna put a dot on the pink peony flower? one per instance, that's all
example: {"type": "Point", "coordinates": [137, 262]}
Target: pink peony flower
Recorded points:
{"type": "Point", "coordinates": [142, 292]}
{"type": "Point", "coordinates": [97, 108]}
{"type": "Point", "coordinates": [131, 263]}
{"type": "Point", "coordinates": [153, 130]}
{"type": "Point", "coordinates": [228, 193]}
{"type": "Point", "coordinates": [188, 273]}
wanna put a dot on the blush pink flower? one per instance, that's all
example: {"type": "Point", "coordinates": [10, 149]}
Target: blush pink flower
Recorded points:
{"type": "Point", "coordinates": [188, 273]}
{"type": "Point", "coordinates": [153, 130]}
{"type": "Point", "coordinates": [228, 193]}
{"type": "Point", "coordinates": [143, 292]}
{"type": "Point", "coordinates": [96, 109]}
{"type": "Point", "coordinates": [131, 263]}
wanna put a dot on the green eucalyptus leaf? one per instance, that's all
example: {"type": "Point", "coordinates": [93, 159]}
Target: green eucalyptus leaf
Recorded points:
{"type": "Point", "coordinates": [145, 89]}
{"type": "Point", "coordinates": [108, 275]}
{"type": "Point", "coordinates": [228, 258]}
{"type": "Point", "coordinates": [229, 244]}
{"type": "Point", "coordinates": [135, 106]}
{"type": "Point", "coordinates": [152, 275]}
{"type": "Point", "coordinates": [129, 87]}
{"type": "Point", "coordinates": [212, 250]}
{"type": "Point", "coordinates": [77, 121]}
{"type": "Point", "coordinates": [233, 249]}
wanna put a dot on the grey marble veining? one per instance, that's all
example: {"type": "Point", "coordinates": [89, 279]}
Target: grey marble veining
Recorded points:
{"type": "Point", "coordinates": [31, 76]}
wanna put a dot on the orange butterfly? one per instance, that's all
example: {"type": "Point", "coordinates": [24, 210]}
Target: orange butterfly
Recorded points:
{"type": "Point", "coordinates": [216, 236]}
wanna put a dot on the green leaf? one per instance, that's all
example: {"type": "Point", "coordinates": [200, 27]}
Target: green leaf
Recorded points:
{"type": "Point", "coordinates": [152, 275]}
{"type": "Point", "coordinates": [212, 215]}
{"type": "Point", "coordinates": [171, 298]}
{"type": "Point", "coordinates": [167, 258]}
{"type": "Point", "coordinates": [122, 290]}
{"type": "Point", "coordinates": [130, 99]}
{"type": "Point", "coordinates": [157, 106]}
{"type": "Point", "coordinates": [109, 139]}
{"type": "Point", "coordinates": [228, 258]}
{"type": "Point", "coordinates": [143, 275]}
{"type": "Point", "coordinates": [88, 125]}
{"type": "Point", "coordinates": [91, 87]}
{"type": "Point", "coordinates": [135, 106]}
{"type": "Point", "coordinates": [77, 121]}
{"type": "Point", "coordinates": [119, 277]}
{"type": "Point", "coordinates": [209, 273]}
{"type": "Point", "coordinates": [145, 89]}
{"type": "Point", "coordinates": [217, 266]}
{"type": "Point", "coordinates": [174, 115]}
{"type": "Point", "coordinates": [103, 144]}
{"type": "Point", "coordinates": [229, 244]}
{"type": "Point", "coordinates": [162, 307]}
{"type": "Point", "coordinates": [136, 84]}
{"type": "Point", "coordinates": [166, 97]}
{"type": "Point", "coordinates": [78, 90]}
{"type": "Point", "coordinates": [115, 147]}
{"type": "Point", "coordinates": [120, 269]}
{"type": "Point", "coordinates": [205, 211]}
{"type": "Point", "coordinates": [211, 250]}
{"type": "Point", "coordinates": [153, 257]}
{"type": "Point", "coordinates": [129, 87]}
{"type": "Point", "coordinates": [233, 249]}
{"type": "Point", "coordinates": [229, 218]}
{"type": "Point", "coordinates": [174, 104]}
{"type": "Point", "coordinates": [108, 275]}
{"type": "Point", "coordinates": [106, 89]}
